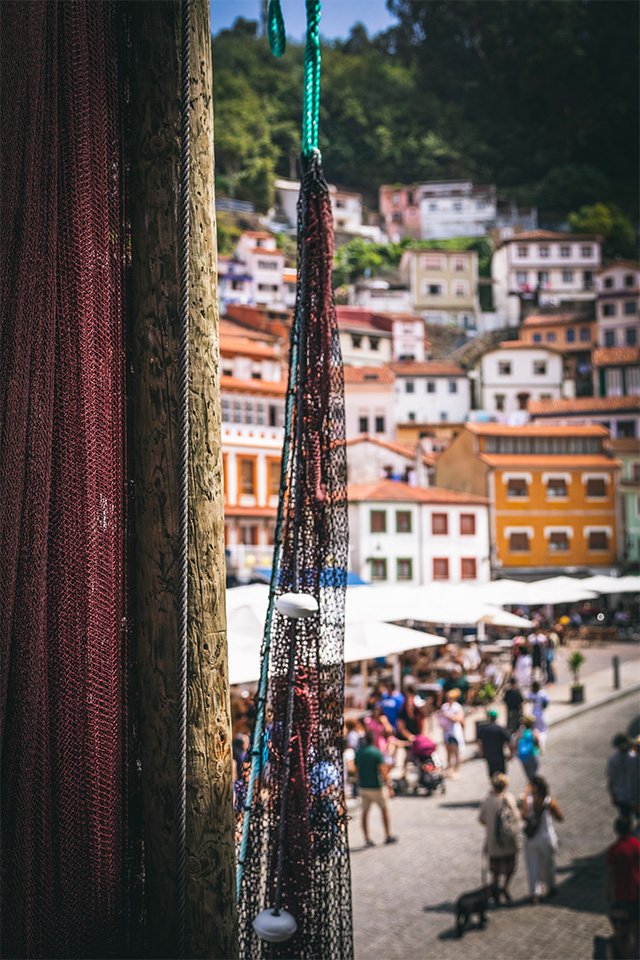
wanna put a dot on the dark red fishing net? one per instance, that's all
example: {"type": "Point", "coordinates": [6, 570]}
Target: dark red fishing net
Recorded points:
{"type": "Point", "coordinates": [310, 556]}
{"type": "Point", "coordinates": [61, 469]}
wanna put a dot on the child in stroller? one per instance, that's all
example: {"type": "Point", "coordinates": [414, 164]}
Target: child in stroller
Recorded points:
{"type": "Point", "coordinates": [425, 770]}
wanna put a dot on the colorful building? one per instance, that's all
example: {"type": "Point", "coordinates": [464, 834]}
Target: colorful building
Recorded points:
{"type": "Point", "coordinates": [628, 452]}
{"type": "Point", "coordinates": [443, 285]}
{"type": "Point", "coordinates": [574, 336]}
{"type": "Point", "coordinates": [619, 415]}
{"type": "Point", "coordinates": [369, 400]}
{"type": "Point", "coordinates": [553, 494]}
{"type": "Point", "coordinates": [406, 534]}
{"type": "Point", "coordinates": [618, 304]}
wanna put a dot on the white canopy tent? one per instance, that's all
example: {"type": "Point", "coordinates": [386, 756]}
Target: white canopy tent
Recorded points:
{"type": "Point", "coordinates": [602, 584]}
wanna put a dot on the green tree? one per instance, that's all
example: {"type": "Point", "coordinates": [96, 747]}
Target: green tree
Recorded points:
{"type": "Point", "coordinates": [619, 237]}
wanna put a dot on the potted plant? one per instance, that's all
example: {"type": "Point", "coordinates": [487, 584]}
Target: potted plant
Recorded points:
{"type": "Point", "coordinates": [574, 663]}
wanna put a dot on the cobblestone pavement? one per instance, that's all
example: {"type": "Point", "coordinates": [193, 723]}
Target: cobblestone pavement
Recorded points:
{"type": "Point", "coordinates": [404, 895]}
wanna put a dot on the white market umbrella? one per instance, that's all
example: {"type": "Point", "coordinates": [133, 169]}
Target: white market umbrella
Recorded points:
{"type": "Point", "coordinates": [602, 584]}
{"type": "Point", "coordinates": [502, 618]}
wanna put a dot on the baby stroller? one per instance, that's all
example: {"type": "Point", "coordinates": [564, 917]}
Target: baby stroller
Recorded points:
{"type": "Point", "coordinates": [425, 770]}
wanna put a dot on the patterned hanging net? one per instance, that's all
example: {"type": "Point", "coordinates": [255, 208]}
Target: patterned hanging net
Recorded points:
{"type": "Point", "coordinates": [62, 697]}
{"type": "Point", "coordinates": [293, 851]}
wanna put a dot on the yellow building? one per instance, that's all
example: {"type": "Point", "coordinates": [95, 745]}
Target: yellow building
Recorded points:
{"type": "Point", "coordinates": [552, 491]}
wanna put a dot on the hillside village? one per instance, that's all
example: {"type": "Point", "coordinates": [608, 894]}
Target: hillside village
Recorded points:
{"type": "Point", "coordinates": [479, 442]}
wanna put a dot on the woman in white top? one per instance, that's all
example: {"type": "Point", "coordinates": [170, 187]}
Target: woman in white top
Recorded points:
{"type": "Point", "coordinates": [539, 811]}
{"type": "Point", "coordinates": [451, 721]}
{"type": "Point", "coordinates": [523, 668]}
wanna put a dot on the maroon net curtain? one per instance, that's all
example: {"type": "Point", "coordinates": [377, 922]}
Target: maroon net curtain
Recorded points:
{"type": "Point", "coordinates": [61, 484]}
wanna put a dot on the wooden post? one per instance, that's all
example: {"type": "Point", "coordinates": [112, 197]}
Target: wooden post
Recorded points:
{"type": "Point", "coordinates": [211, 921]}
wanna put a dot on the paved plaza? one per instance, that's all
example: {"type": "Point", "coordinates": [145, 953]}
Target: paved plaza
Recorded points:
{"type": "Point", "coordinates": [404, 895]}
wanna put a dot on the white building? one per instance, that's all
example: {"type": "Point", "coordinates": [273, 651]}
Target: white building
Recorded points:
{"type": "Point", "coordinates": [365, 337]}
{"type": "Point", "coordinates": [408, 341]}
{"type": "Point", "coordinates": [618, 304]}
{"type": "Point", "coordinates": [369, 399]}
{"type": "Point", "coordinates": [265, 265]}
{"type": "Point", "coordinates": [370, 459]}
{"type": "Point", "coordinates": [433, 391]}
{"type": "Point", "coordinates": [456, 208]}
{"type": "Point", "coordinates": [544, 267]}
{"type": "Point", "coordinates": [380, 295]}
{"type": "Point", "coordinates": [252, 390]}
{"type": "Point", "coordinates": [346, 207]}
{"type": "Point", "coordinates": [235, 283]}
{"type": "Point", "coordinates": [406, 534]}
{"type": "Point", "coordinates": [515, 373]}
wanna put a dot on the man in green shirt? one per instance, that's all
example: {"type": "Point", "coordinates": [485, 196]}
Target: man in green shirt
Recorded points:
{"type": "Point", "coordinates": [373, 777]}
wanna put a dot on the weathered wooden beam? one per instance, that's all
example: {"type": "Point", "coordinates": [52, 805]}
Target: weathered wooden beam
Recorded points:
{"type": "Point", "coordinates": [153, 349]}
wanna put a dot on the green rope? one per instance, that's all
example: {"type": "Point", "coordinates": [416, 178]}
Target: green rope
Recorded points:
{"type": "Point", "coordinates": [311, 95]}
{"type": "Point", "coordinates": [275, 29]}
{"type": "Point", "coordinates": [311, 90]}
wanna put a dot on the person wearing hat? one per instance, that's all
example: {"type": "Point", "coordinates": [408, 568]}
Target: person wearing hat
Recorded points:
{"type": "Point", "coordinates": [492, 740]}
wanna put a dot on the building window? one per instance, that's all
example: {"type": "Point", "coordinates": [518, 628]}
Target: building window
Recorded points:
{"type": "Point", "coordinates": [460, 289]}
{"type": "Point", "coordinates": [267, 264]}
{"type": "Point", "coordinates": [458, 265]}
{"type": "Point", "coordinates": [379, 424]}
{"type": "Point", "coordinates": [539, 367]}
{"type": "Point", "coordinates": [457, 206]}
{"type": "Point", "coordinates": [543, 250]}
{"type": "Point", "coordinates": [363, 424]}
{"type": "Point", "coordinates": [403, 521]}
{"type": "Point", "coordinates": [596, 487]}
{"type": "Point", "coordinates": [565, 251]}
{"type": "Point", "coordinates": [467, 524]}
{"type": "Point", "coordinates": [626, 429]}
{"type": "Point", "coordinates": [249, 534]}
{"type": "Point", "coordinates": [237, 411]}
{"type": "Point", "coordinates": [499, 401]}
{"type": "Point", "coordinates": [504, 367]}
{"type": "Point", "coordinates": [588, 279]}
{"type": "Point", "coordinates": [226, 410]}
{"type": "Point", "coordinates": [631, 336]}
{"type": "Point", "coordinates": [431, 386]}
{"type": "Point", "coordinates": [374, 343]}
{"type": "Point", "coordinates": [598, 540]}
{"type": "Point", "coordinates": [556, 488]}
{"type": "Point", "coordinates": [551, 337]}
{"type": "Point", "coordinates": [609, 338]}
{"type": "Point", "coordinates": [537, 338]}
{"type": "Point", "coordinates": [404, 569]}
{"type": "Point", "coordinates": [444, 416]}
{"type": "Point", "coordinates": [585, 334]}
{"type": "Point", "coordinates": [558, 541]}
{"type": "Point", "coordinates": [586, 251]}
{"type": "Point", "coordinates": [453, 386]}
{"type": "Point", "coordinates": [521, 277]}
{"type": "Point", "coordinates": [517, 488]}
{"type": "Point", "coordinates": [434, 289]}
{"type": "Point", "coordinates": [378, 521]}
{"type": "Point", "coordinates": [608, 282]}
{"type": "Point", "coordinates": [570, 335]}
{"type": "Point", "coordinates": [409, 386]}
{"type": "Point", "coordinates": [432, 263]}
{"type": "Point", "coordinates": [411, 417]}
{"type": "Point", "coordinates": [635, 472]}
{"type": "Point", "coordinates": [543, 278]}
{"type": "Point", "coordinates": [468, 568]}
{"type": "Point", "coordinates": [273, 477]}
{"type": "Point", "coordinates": [439, 524]}
{"type": "Point", "coordinates": [567, 276]}
{"type": "Point", "coordinates": [629, 280]}
{"type": "Point", "coordinates": [440, 568]}
{"type": "Point", "coordinates": [630, 307]}
{"type": "Point", "coordinates": [519, 543]}
{"type": "Point", "coordinates": [523, 251]}
{"type": "Point", "coordinates": [356, 341]}
{"type": "Point", "coordinates": [247, 475]}
{"type": "Point", "coordinates": [378, 569]}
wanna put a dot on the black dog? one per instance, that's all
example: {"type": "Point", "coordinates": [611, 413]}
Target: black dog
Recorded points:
{"type": "Point", "coordinates": [476, 901]}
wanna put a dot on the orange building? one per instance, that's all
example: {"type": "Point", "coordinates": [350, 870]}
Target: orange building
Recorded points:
{"type": "Point", "coordinates": [572, 334]}
{"type": "Point", "coordinates": [552, 491]}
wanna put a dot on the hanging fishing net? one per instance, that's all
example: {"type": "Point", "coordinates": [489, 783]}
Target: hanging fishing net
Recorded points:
{"type": "Point", "coordinates": [293, 849]}
{"type": "Point", "coordinates": [62, 637]}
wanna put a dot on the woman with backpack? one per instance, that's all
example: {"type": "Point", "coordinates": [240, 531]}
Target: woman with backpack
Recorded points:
{"type": "Point", "coordinates": [539, 811]}
{"type": "Point", "coordinates": [527, 746]}
{"type": "Point", "coordinates": [499, 814]}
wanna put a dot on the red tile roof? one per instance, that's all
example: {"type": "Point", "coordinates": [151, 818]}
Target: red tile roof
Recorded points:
{"type": "Point", "coordinates": [257, 234]}
{"type": "Point", "coordinates": [233, 511]}
{"type": "Point", "coordinates": [586, 405]}
{"type": "Point", "coordinates": [358, 318]}
{"type": "Point", "coordinates": [233, 346]}
{"type": "Point", "coordinates": [544, 461]}
{"type": "Point", "coordinates": [373, 375]}
{"type": "Point", "coordinates": [426, 368]}
{"type": "Point", "coordinates": [615, 356]}
{"type": "Point", "coordinates": [265, 388]}
{"type": "Point", "coordinates": [537, 430]}
{"type": "Point", "coordinates": [523, 345]}
{"type": "Point", "coordinates": [267, 252]}
{"type": "Point", "coordinates": [402, 449]}
{"type": "Point", "coordinates": [555, 320]}
{"type": "Point", "coordinates": [395, 491]}
{"type": "Point", "coordinates": [529, 235]}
